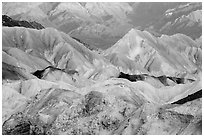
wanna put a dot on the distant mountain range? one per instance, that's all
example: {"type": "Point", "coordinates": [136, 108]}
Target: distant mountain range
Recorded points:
{"type": "Point", "coordinates": [103, 24]}
{"type": "Point", "coordinates": [185, 19]}
{"type": "Point", "coordinates": [101, 68]}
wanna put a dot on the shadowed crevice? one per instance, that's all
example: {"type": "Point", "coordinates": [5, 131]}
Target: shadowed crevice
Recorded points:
{"type": "Point", "coordinates": [9, 22]}
{"type": "Point", "coordinates": [191, 97]}
{"type": "Point", "coordinates": [162, 79]}
{"type": "Point", "coordinates": [40, 73]}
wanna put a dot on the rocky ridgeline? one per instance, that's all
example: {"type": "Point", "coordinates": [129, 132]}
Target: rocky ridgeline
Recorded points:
{"type": "Point", "coordinates": [53, 84]}
{"type": "Point", "coordinates": [58, 86]}
{"type": "Point", "coordinates": [7, 21]}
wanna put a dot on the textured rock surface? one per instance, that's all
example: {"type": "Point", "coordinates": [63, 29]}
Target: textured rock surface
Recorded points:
{"type": "Point", "coordinates": [34, 50]}
{"type": "Point", "coordinates": [103, 24]}
{"type": "Point", "coordinates": [157, 56]}
{"type": "Point", "coordinates": [111, 107]}
{"type": "Point", "coordinates": [142, 85]}
{"type": "Point", "coordinates": [185, 19]}
{"type": "Point", "coordinates": [7, 21]}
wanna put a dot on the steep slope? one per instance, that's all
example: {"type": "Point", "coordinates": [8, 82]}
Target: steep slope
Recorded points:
{"type": "Point", "coordinates": [69, 16]}
{"type": "Point", "coordinates": [97, 24]}
{"type": "Point", "coordinates": [26, 11]}
{"type": "Point", "coordinates": [110, 107]}
{"type": "Point", "coordinates": [56, 83]}
{"type": "Point", "coordinates": [140, 49]}
{"type": "Point", "coordinates": [145, 13]}
{"type": "Point", "coordinates": [185, 19]}
{"type": "Point", "coordinates": [58, 86]}
{"type": "Point", "coordinates": [34, 50]}
{"type": "Point", "coordinates": [101, 35]}
{"type": "Point", "coordinates": [116, 19]}
{"type": "Point", "coordinates": [104, 32]}
{"type": "Point", "coordinates": [7, 21]}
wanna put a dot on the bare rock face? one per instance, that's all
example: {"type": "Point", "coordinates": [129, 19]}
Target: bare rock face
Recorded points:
{"type": "Point", "coordinates": [100, 24]}
{"type": "Point", "coordinates": [7, 21]}
{"type": "Point", "coordinates": [156, 56]}
{"type": "Point", "coordinates": [185, 19]}
{"type": "Point", "coordinates": [57, 86]}
{"type": "Point", "coordinates": [111, 107]}
{"type": "Point", "coordinates": [52, 84]}
{"type": "Point", "coordinates": [34, 51]}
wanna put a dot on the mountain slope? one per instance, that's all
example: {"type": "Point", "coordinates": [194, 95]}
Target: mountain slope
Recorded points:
{"type": "Point", "coordinates": [156, 55]}
{"type": "Point", "coordinates": [7, 21]}
{"type": "Point", "coordinates": [35, 50]}
{"type": "Point", "coordinates": [58, 81]}
{"type": "Point", "coordinates": [97, 24]}
{"type": "Point", "coordinates": [58, 86]}
{"type": "Point", "coordinates": [185, 19]}
{"type": "Point", "coordinates": [110, 107]}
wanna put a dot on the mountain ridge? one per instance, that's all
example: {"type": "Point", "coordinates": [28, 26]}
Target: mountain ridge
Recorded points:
{"type": "Point", "coordinates": [95, 72]}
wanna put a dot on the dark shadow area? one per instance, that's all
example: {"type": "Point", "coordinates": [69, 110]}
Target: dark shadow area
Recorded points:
{"type": "Point", "coordinates": [162, 79]}
{"type": "Point", "coordinates": [132, 78]}
{"type": "Point", "coordinates": [11, 72]}
{"type": "Point", "coordinates": [40, 73]}
{"type": "Point", "coordinates": [86, 45]}
{"type": "Point", "coordinates": [21, 126]}
{"type": "Point", "coordinates": [9, 22]}
{"type": "Point", "coordinates": [191, 97]}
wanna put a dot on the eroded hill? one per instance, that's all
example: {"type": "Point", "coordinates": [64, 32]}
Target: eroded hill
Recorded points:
{"type": "Point", "coordinates": [52, 84]}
